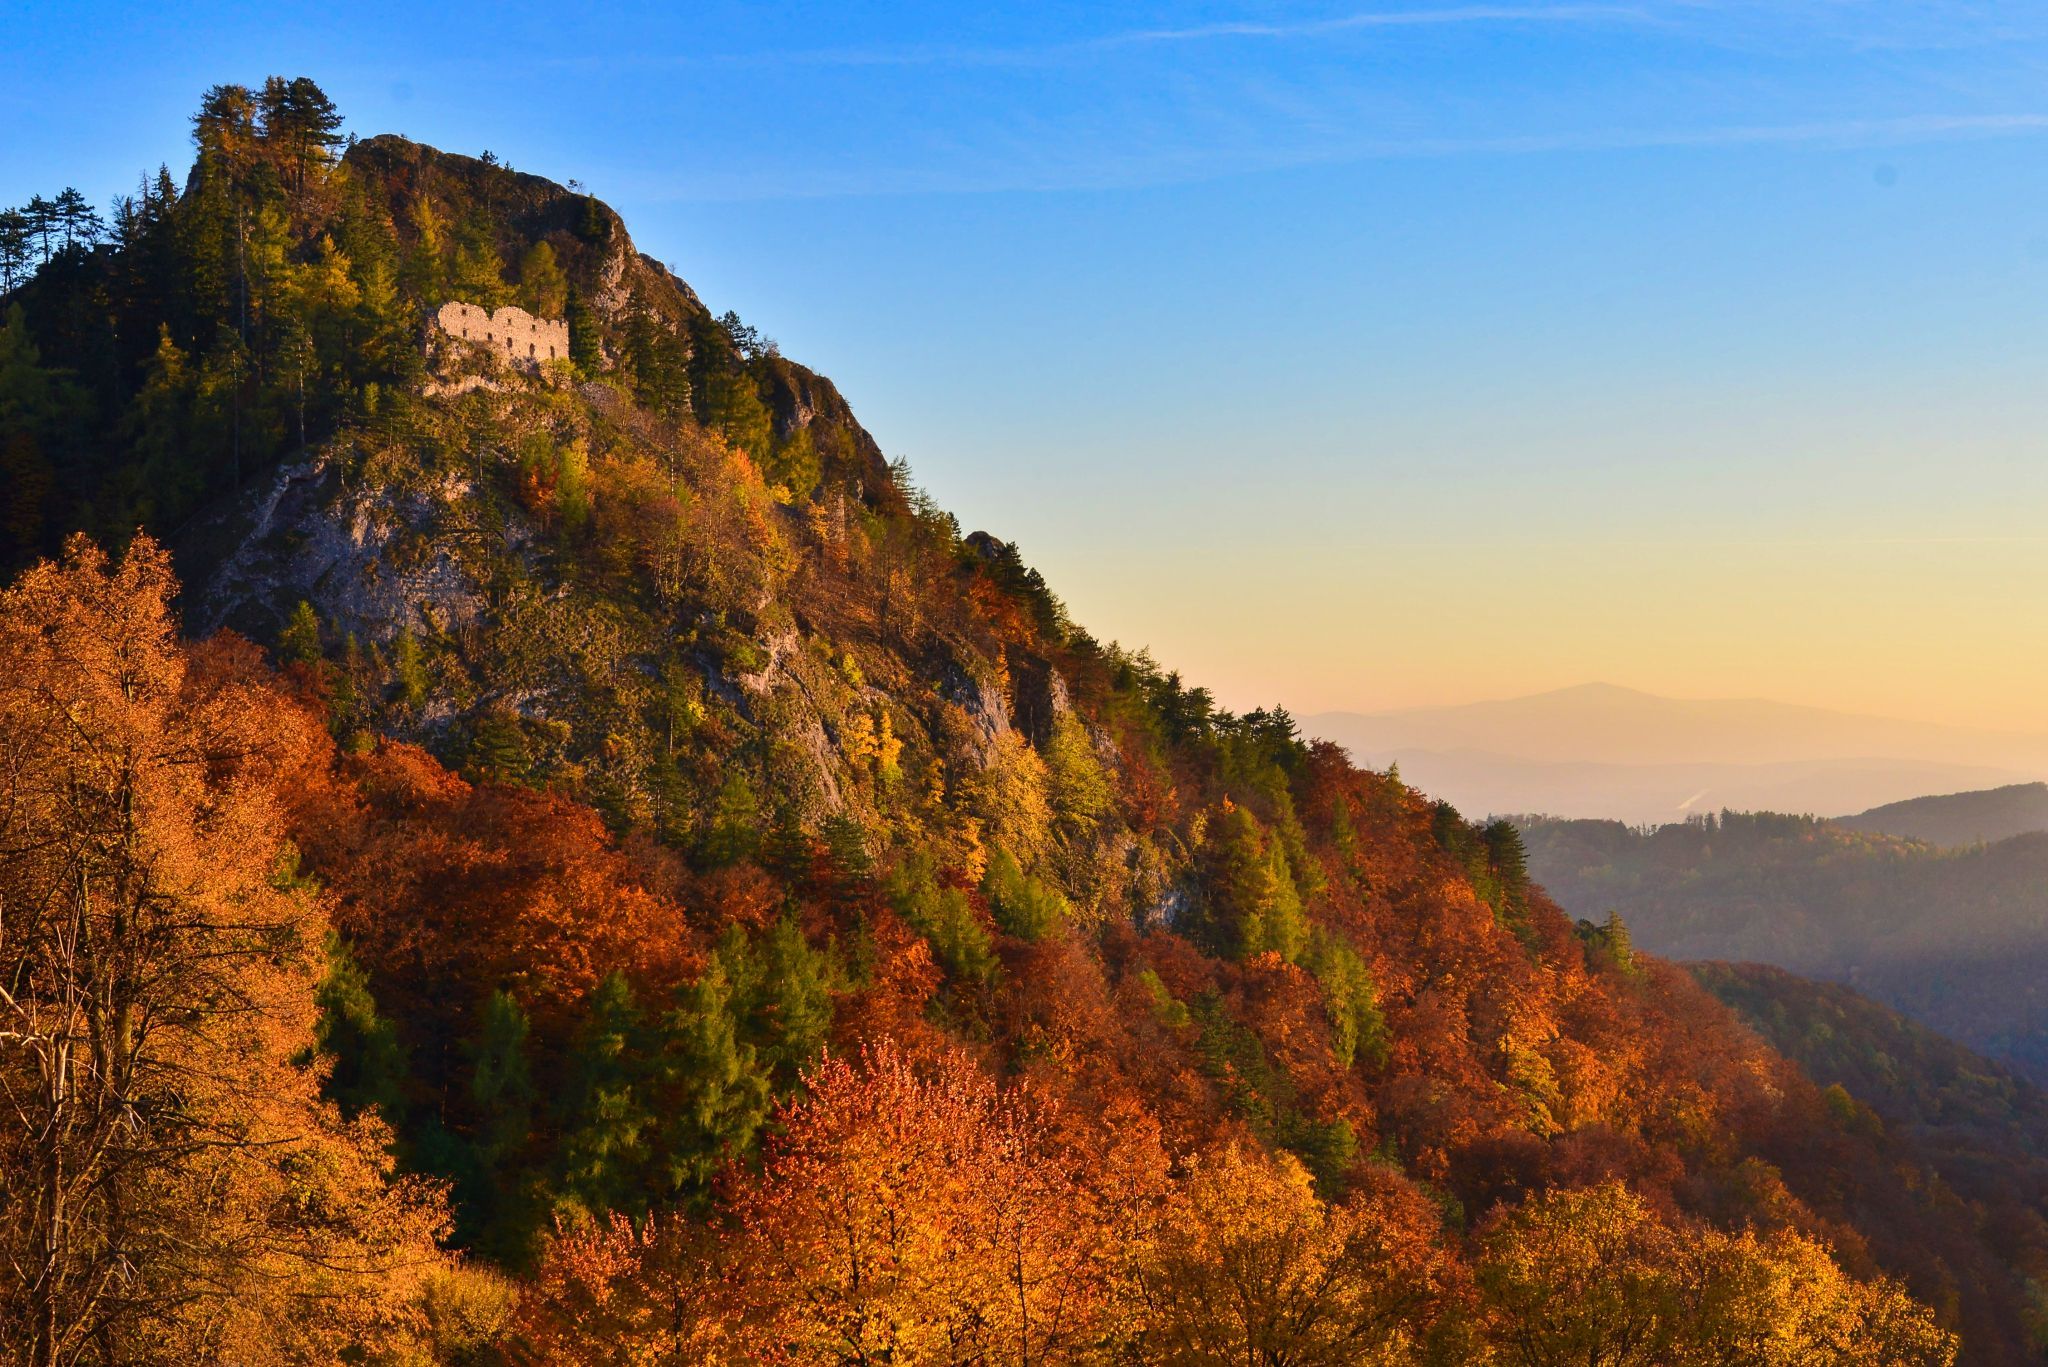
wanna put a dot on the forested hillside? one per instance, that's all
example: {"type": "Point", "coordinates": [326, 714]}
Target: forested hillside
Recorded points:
{"type": "Point", "coordinates": [1984, 817]}
{"type": "Point", "coordinates": [632, 882]}
{"type": "Point", "coordinates": [1955, 938]}
{"type": "Point", "coordinates": [1987, 1126]}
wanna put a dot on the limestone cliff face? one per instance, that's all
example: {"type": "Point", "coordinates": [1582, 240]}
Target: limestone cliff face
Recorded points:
{"type": "Point", "coordinates": [377, 558]}
{"type": "Point", "coordinates": [476, 585]}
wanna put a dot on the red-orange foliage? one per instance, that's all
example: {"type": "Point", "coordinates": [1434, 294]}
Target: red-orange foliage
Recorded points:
{"type": "Point", "coordinates": [918, 1215]}
{"type": "Point", "coordinates": [911, 1206]}
{"type": "Point", "coordinates": [906, 1213]}
{"type": "Point", "coordinates": [451, 890]}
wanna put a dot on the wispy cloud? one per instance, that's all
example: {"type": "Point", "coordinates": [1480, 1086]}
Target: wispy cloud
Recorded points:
{"type": "Point", "coordinates": [1058, 52]}
{"type": "Point", "coordinates": [1141, 167]}
{"type": "Point", "coordinates": [1839, 132]}
{"type": "Point", "coordinates": [1377, 19]}
{"type": "Point", "coordinates": [1138, 107]}
{"type": "Point", "coordinates": [1735, 23]}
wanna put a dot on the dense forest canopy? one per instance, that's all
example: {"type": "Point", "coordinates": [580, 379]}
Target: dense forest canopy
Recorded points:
{"type": "Point", "coordinates": [655, 891]}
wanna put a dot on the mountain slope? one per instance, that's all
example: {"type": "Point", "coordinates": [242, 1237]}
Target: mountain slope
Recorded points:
{"type": "Point", "coordinates": [1985, 1130]}
{"type": "Point", "coordinates": [722, 842]}
{"type": "Point", "coordinates": [1960, 818]}
{"type": "Point", "coordinates": [1957, 939]}
{"type": "Point", "coordinates": [1963, 1103]}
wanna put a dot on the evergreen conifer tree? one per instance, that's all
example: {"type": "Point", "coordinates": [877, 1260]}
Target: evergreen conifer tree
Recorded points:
{"type": "Point", "coordinates": [367, 1064]}
{"type": "Point", "coordinates": [711, 1094]}
{"type": "Point", "coordinates": [498, 1205]}
{"type": "Point", "coordinates": [605, 1126]}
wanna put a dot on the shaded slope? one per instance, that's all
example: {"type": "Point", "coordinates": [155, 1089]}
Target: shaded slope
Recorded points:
{"type": "Point", "coordinates": [1956, 939]}
{"type": "Point", "coordinates": [1960, 818]}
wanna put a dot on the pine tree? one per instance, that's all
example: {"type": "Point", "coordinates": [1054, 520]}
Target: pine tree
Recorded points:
{"type": "Point", "coordinates": [732, 831]}
{"type": "Point", "coordinates": [299, 642]}
{"type": "Point", "coordinates": [788, 1004]}
{"type": "Point", "coordinates": [1343, 835]}
{"type": "Point", "coordinates": [572, 486]}
{"type": "Point", "coordinates": [605, 1126]}
{"type": "Point", "coordinates": [846, 844]}
{"type": "Point", "coordinates": [1252, 903]}
{"type": "Point", "coordinates": [17, 239]}
{"type": "Point", "coordinates": [367, 1064]}
{"type": "Point", "coordinates": [77, 220]}
{"type": "Point", "coordinates": [498, 1208]}
{"type": "Point", "coordinates": [32, 407]}
{"type": "Point", "coordinates": [1358, 1029]}
{"type": "Point", "coordinates": [500, 1083]}
{"type": "Point", "coordinates": [477, 270]}
{"type": "Point", "coordinates": [1022, 905]}
{"type": "Point", "coordinates": [497, 749]}
{"type": "Point", "coordinates": [409, 670]}
{"type": "Point", "coordinates": [729, 403]}
{"type": "Point", "coordinates": [789, 849]}
{"type": "Point", "coordinates": [711, 1092]}
{"type": "Point", "coordinates": [592, 226]}
{"type": "Point", "coordinates": [945, 917]}
{"type": "Point", "coordinates": [301, 125]}
{"type": "Point", "coordinates": [41, 215]}
{"type": "Point", "coordinates": [424, 271]}
{"type": "Point", "coordinates": [585, 345]}
{"type": "Point", "coordinates": [1619, 944]}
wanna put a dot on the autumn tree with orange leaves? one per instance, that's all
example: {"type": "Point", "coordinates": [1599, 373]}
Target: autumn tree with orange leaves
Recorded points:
{"type": "Point", "coordinates": [918, 1214]}
{"type": "Point", "coordinates": [174, 1188]}
{"type": "Point", "coordinates": [910, 1211]}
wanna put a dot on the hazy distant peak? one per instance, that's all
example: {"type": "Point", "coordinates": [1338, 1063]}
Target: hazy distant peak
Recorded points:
{"type": "Point", "coordinates": [1607, 750]}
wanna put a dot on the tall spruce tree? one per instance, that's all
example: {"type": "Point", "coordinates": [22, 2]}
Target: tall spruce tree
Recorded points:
{"type": "Point", "coordinates": [604, 1123]}
{"type": "Point", "coordinates": [709, 1092]}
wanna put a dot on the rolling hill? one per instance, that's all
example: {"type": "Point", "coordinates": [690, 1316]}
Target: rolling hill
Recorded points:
{"type": "Point", "coordinates": [1957, 938]}
{"type": "Point", "coordinates": [1960, 818]}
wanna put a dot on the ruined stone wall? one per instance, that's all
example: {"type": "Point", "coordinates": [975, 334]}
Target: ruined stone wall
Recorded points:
{"type": "Point", "coordinates": [511, 333]}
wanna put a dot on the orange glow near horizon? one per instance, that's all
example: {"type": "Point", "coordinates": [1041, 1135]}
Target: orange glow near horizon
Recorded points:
{"type": "Point", "coordinates": [1934, 631]}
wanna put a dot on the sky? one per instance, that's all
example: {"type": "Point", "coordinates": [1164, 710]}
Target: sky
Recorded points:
{"type": "Point", "coordinates": [1347, 356]}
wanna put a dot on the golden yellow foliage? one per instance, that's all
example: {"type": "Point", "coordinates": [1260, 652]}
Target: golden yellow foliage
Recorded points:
{"type": "Point", "coordinates": [1248, 1266]}
{"type": "Point", "coordinates": [1593, 1278]}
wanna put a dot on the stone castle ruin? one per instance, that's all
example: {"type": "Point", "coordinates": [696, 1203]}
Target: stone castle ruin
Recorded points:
{"type": "Point", "coordinates": [511, 333]}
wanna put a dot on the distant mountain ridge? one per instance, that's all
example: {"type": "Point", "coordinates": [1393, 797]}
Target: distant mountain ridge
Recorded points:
{"type": "Point", "coordinates": [1970, 818]}
{"type": "Point", "coordinates": [1603, 751]}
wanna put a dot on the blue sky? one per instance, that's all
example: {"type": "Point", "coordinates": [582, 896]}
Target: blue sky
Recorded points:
{"type": "Point", "coordinates": [1348, 355]}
